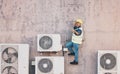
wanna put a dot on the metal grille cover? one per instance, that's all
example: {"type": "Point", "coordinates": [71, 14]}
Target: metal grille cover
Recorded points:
{"type": "Point", "coordinates": [48, 63]}
{"type": "Point", "coordinates": [10, 55]}
{"type": "Point", "coordinates": [45, 42]}
{"type": "Point", "coordinates": [9, 70]}
{"type": "Point", "coordinates": [112, 61]}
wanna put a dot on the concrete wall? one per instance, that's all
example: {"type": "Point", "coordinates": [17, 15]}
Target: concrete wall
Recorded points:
{"type": "Point", "coordinates": [22, 20]}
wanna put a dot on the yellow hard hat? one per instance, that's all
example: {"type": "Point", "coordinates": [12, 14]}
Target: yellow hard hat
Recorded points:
{"type": "Point", "coordinates": [79, 21]}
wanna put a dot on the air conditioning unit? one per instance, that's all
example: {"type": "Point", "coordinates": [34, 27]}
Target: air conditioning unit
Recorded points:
{"type": "Point", "coordinates": [14, 59]}
{"type": "Point", "coordinates": [49, 65]}
{"type": "Point", "coordinates": [49, 43]}
{"type": "Point", "coordinates": [108, 62]}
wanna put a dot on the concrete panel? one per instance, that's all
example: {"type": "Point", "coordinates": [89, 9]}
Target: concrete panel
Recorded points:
{"type": "Point", "coordinates": [22, 20]}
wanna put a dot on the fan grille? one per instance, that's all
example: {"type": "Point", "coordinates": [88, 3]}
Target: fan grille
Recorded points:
{"type": "Point", "coordinates": [108, 61]}
{"type": "Point", "coordinates": [45, 65]}
{"type": "Point", "coordinates": [9, 70]}
{"type": "Point", "coordinates": [45, 42]}
{"type": "Point", "coordinates": [108, 73]}
{"type": "Point", "coordinates": [9, 55]}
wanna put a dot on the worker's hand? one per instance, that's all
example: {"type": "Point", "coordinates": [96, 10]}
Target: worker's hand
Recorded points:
{"type": "Point", "coordinates": [73, 31]}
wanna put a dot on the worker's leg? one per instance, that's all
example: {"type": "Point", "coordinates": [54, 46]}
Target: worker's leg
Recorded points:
{"type": "Point", "coordinates": [69, 45]}
{"type": "Point", "coordinates": [76, 47]}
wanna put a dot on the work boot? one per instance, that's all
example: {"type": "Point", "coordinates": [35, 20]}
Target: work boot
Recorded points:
{"type": "Point", "coordinates": [71, 54]}
{"type": "Point", "coordinates": [74, 62]}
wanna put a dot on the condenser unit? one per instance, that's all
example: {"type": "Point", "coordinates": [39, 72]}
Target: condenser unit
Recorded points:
{"type": "Point", "coordinates": [49, 65]}
{"type": "Point", "coordinates": [14, 59]}
{"type": "Point", "coordinates": [108, 62]}
{"type": "Point", "coordinates": [49, 42]}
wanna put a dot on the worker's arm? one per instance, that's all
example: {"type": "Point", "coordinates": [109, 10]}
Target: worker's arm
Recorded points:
{"type": "Point", "coordinates": [78, 32]}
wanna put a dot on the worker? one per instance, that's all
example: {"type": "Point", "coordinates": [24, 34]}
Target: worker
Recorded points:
{"type": "Point", "coordinates": [74, 44]}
